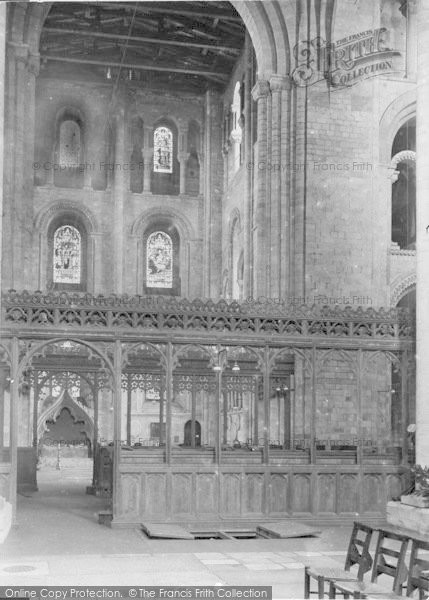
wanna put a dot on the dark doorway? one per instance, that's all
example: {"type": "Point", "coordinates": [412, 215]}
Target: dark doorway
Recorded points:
{"type": "Point", "coordinates": [192, 435]}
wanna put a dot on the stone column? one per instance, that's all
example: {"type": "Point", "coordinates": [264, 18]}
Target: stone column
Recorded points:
{"type": "Point", "coordinates": [260, 94]}
{"type": "Point", "coordinates": [409, 9]}
{"type": "Point", "coordinates": [182, 158]}
{"type": "Point", "coordinates": [277, 221]}
{"type": "Point", "coordinates": [147, 161]}
{"type": "Point", "coordinates": [2, 83]}
{"type": "Point", "coordinates": [119, 197]}
{"type": "Point", "coordinates": [247, 221]}
{"type": "Point", "coordinates": [147, 152]}
{"type": "Point", "coordinates": [422, 300]}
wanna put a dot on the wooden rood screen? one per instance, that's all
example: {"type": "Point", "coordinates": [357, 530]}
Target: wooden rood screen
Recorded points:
{"type": "Point", "coordinates": [250, 410]}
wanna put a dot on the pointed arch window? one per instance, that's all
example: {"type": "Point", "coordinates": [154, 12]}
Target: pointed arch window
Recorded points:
{"type": "Point", "coordinates": [159, 260]}
{"type": "Point", "coordinates": [163, 150]}
{"type": "Point", "coordinates": [67, 255]}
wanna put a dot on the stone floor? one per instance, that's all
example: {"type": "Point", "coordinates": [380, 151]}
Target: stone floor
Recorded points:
{"type": "Point", "coordinates": [58, 541]}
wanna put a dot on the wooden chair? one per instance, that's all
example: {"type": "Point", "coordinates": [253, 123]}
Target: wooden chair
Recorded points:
{"type": "Point", "coordinates": [418, 577]}
{"type": "Point", "coordinates": [387, 561]}
{"type": "Point", "coordinates": [357, 554]}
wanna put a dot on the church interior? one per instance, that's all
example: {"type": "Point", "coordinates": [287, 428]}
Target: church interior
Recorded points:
{"type": "Point", "coordinates": [210, 255]}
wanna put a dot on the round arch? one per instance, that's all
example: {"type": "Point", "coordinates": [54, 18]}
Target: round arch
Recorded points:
{"type": "Point", "coordinates": [49, 212]}
{"type": "Point", "coordinates": [396, 114]}
{"type": "Point", "coordinates": [153, 215]}
{"type": "Point", "coordinates": [399, 289]}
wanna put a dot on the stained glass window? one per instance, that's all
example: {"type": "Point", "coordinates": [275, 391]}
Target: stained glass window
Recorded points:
{"type": "Point", "coordinates": [159, 260]}
{"type": "Point", "coordinates": [69, 144]}
{"type": "Point", "coordinates": [67, 255]}
{"type": "Point", "coordinates": [163, 150]}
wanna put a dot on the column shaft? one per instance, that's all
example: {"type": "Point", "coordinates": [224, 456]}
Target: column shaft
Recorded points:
{"type": "Point", "coordinates": [422, 300]}
{"type": "Point", "coordinates": [119, 195]}
{"type": "Point", "coordinates": [260, 94]}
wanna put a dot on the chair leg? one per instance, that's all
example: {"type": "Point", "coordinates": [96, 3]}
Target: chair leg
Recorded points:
{"type": "Point", "coordinates": [331, 589]}
{"type": "Point", "coordinates": [321, 587]}
{"type": "Point", "coordinates": [306, 583]}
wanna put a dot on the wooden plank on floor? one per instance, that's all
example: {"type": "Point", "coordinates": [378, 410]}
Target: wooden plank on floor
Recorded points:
{"type": "Point", "coordinates": [166, 531]}
{"type": "Point", "coordinates": [286, 529]}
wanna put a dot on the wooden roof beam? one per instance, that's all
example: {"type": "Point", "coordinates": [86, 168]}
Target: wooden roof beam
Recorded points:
{"type": "Point", "coordinates": [146, 40]}
{"type": "Point", "coordinates": [138, 67]}
{"type": "Point", "coordinates": [206, 14]}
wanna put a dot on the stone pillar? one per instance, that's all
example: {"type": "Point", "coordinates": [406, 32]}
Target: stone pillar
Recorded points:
{"type": "Point", "coordinates": [147, 161]}
{"type": "Point", "coordinates": [260, 94]}
{"type": "Point", "coordinates": [277, 221]}
{"type": "Point", "coordinates": [119, 197]}
{"type": "Point", "coordinates": [182, 158]}
{"type": "Point", "coordinates": [247, 221]}
{"type": "Point", "coordinates": [422, 300]}
{"type": "Point", "coordinates": [2, 83]}
{"type": "Point", "coordinates": [412, 34]}
{"type": "Point", "coordinates": [147, 152]}
{"type": "Point", "coordinates": [201, 165]}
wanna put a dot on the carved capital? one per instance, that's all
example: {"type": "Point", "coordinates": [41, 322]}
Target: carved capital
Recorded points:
{"type": "Point", "coordinates": [279, 83]}
{"type": "Point", "coordinates": [393, 174]}
{"type": "Point", "coordinates": [261, 89]}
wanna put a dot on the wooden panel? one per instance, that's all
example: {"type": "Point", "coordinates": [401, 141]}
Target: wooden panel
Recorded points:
{"type": "Point", "coordinates": [155, 493]}
{"type": "Point", "coordinates": [181, 494]}
{"type": "Point", "coordinates": [326, 493]}
{"type": "Point", "coordinates": [129, 497]}
{"type": "Point", "coordinates": [231, 494]}
{"type": "Point", "coordinates": [254, 493]}
{"type": "Point", "coordinates": [373, 494]}
{"type": "Point", "coordinates": [206, 494]}
{"type": "Point", "coordinates": [348, 494]}
{"type": "Point", "coordinates": [301, 490]}
{"type": "Point", "coordinates": [279, 500]}
{"type": "Point", "coordinates": [394, 485]}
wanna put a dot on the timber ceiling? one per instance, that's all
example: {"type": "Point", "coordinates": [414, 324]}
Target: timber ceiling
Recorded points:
{"type": "Point", "coordinates": [189, 46]}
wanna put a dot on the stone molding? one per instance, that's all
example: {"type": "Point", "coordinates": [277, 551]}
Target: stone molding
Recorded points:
{"type": "Point", "coordinates": [402, 288]}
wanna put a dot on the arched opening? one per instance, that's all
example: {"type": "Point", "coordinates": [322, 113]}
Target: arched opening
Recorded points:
{"type": "Point", "coordinates": [67, 247]}
{"type": "Point", "coordinates": [404, 186]}
{"type": "Point", "coordinates": [69, 150]}
{"type": "Point", "coordinates": [161, 243]}
{"type": "Point", "coordinates": [66, 426]}
{"type": "Point", "coordinates": [192, 434]}
{"type": "Point", "coordinates": [166, 167]}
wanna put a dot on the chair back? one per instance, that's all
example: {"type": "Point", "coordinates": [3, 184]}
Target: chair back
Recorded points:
{"type": "Point", "coordinates": [391, 561]}
{"type": "Point", "coordinates": [418, 577]}
{"type": "Point", "coordinates": [358, 550]}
